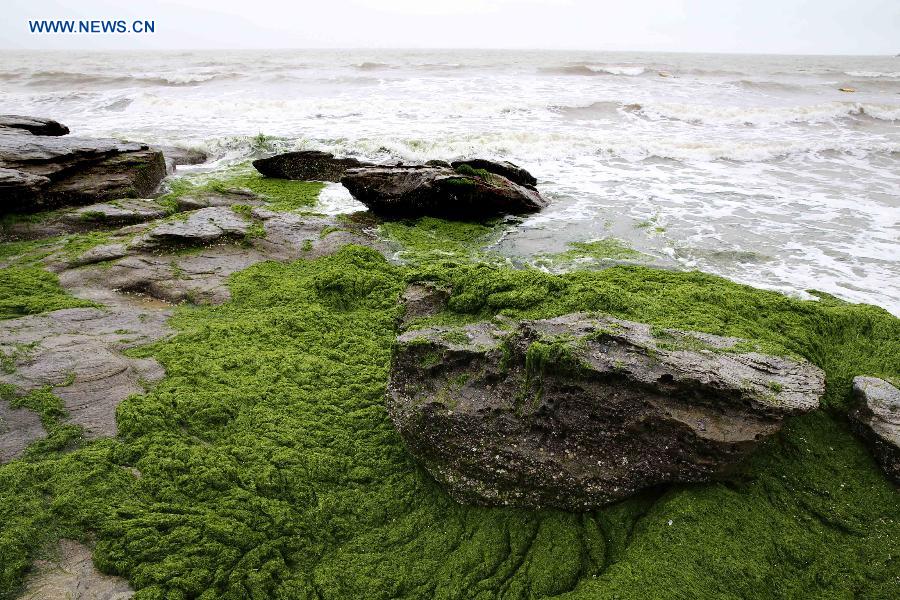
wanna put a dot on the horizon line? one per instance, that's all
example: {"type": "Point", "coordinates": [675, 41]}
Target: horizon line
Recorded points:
{"type": "Point", "coordinates": [438, 49]}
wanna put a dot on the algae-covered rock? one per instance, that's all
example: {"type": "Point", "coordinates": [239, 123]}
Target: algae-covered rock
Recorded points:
{"type": "Point", "coordinates": [416, 191]}
{"type": "Point", "coordinates": [876, 419]}
{"type": "Point", "coordinates": [306, 165]}
{"type": "Point", "coordinates": [579, 411]}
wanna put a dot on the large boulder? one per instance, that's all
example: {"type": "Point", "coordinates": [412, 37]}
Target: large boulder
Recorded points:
{"type": "Point", "coordinates": [38, 172]}
{"type": "Point", "coordinates": [579, 411]}
{"type": "Point", "coordinates": [306, 165]}
{"type": "Point", "coordinates": [876, 418]}
{"type": "Point", "coordinates": [415, 191]}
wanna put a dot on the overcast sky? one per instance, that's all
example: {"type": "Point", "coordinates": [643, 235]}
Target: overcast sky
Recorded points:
{"type": "Point", "coordinates": [752, 26]}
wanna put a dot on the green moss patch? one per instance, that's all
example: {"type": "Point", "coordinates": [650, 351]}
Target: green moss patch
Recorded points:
{"type": "Point", "coordinates": [430, 240]}
{"type": "Point", "coordinates": [280, 194]}
{"type": "Point", "coordinates": [31, 290]}
{"type": "Point", "coordinates": [269, 467]}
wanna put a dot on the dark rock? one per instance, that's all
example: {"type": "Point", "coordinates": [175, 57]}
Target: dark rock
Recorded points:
{"type": "Point", "coordinates": [415, 191]}
{"type": "Point", "coordinates": [33, 125]}
{"type": "Point", "coordinates": [513, 172]}
{"type": "Point", "coordinates": [307, 165]}
{"type": "Point", "coordinates": [60, 171]}
{"type": "Point", "coordinates": [876, 419]}
{"type": "Point", "coordinates": [579, 411]}
{"type": "Point", "coordinates": [438, 163]}
{"type": "Point", "coordinates": [13, 181]}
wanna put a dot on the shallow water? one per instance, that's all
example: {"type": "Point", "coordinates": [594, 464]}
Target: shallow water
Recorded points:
{"type": "Point", "coordinates": [754, 167]}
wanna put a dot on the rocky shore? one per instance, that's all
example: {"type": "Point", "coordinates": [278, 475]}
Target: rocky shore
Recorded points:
{"type": "Point", "coordinates": [211, 390]}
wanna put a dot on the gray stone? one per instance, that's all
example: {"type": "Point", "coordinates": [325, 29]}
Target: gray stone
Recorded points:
{"type": "Point", "coordinates": [876, 418]}
{"type": "Point", "coordinates": [306, 165]}
{"type": "Point", "coordinates": [79, 352]}
{"type": "Point", "coordinates": [579, 411]}
{"type": "Point", "coordinates": [415, 191]}
{"type": "Point", "coordinates": [75, 170]}
{"type": "Point", "coordinates": [117, 212]}
{"type": "Point", "coordinates": [18, 428]}
{"type": "Point", "coordinates": [33, 125]}
{"type": "Point", "coordinates": [200, 227]}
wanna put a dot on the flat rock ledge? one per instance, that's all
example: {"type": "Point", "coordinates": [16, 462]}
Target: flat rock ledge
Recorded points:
{"type": "Point", "coordinates": [579, 411]}
{"type": "Point", "coordinates": [41, 167]}
{"type": "Point", "coordinates": [876, 419]}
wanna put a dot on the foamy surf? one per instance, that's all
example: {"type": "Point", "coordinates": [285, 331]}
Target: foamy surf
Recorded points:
{"type": "Point", "coordinates": [756, 168]}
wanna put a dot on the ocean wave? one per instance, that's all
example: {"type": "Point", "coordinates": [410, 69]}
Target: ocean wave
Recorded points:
{"type": "Point", "coordinates": [596, 110]}
{"type": "Point", "coordinates": [63, 78]}
{"type": "Point", "coordinates": [872, 74]}
{"type": "Point", "coordinates": [372, 66]}
{"type": "Point", "coordinates": [767, 86]}
{"type": "Point", "coordinates": [766, 115]}
{"type": "Point", "coordinates": [594, 70]}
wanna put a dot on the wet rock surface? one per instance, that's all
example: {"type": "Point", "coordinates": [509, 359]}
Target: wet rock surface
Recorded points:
{"type": "Point", "coordinates": [198, 227]}
{"type": "Point", "coordinates": [70, 574]}
{"type": "Point", "coordinates": [117, 212]}
{"type": "Point", "coordinates": [579, 411]}
{"type": "Point", "coordinates": [876, 419]}
{"type": "Point", "coordinates": [78, 352]}
{"type": "Point", "coordinates": [415, 191]}
{"type": "Point", "coordinates": [18, 428]}
{"type": "Point", "coordinates": [306, 165]}
{"type": "Point", "coordinates": [42, 171]}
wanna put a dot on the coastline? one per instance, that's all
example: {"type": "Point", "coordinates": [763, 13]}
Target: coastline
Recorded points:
{"type": "Point", "coordinates": [263, 461]}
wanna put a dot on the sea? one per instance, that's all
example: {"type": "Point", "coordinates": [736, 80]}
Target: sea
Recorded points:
{"type": "Point", "coordinates": [757, 168]}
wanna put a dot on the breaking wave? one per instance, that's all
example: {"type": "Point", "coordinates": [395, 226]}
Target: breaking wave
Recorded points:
{"type": "Point", "coordinates": [589, 70]}
{"type": "Point", "coordinates": [766, 115]}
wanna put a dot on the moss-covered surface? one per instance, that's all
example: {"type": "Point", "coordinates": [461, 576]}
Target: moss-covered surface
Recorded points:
{"type": "Point", "coordinates": [31, 290]}
{"type": "Point", "coordinates": [269, 468]}
{"type": "Point", "coordinates": [280, 194]}
{"type": "Point", "coordinates": [429, 240]}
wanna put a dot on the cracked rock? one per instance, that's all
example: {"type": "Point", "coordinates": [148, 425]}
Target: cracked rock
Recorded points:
{"type": "Point", "coordinates": [579, 411]}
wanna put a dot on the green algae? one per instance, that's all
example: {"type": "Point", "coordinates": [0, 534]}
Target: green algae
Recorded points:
{"type": "Point", "coordinates": [430, 240]}
{"type": "Point", "coordinates": [279, 194]}
{"type": "Point", "coordinates": [269, 468]}
{"type": "Point", "coordinates": [585, 254]}
{"type": "Point", "coordinates": [31, 290]}
{"type": "Point", "coordinates": [466, 169]}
